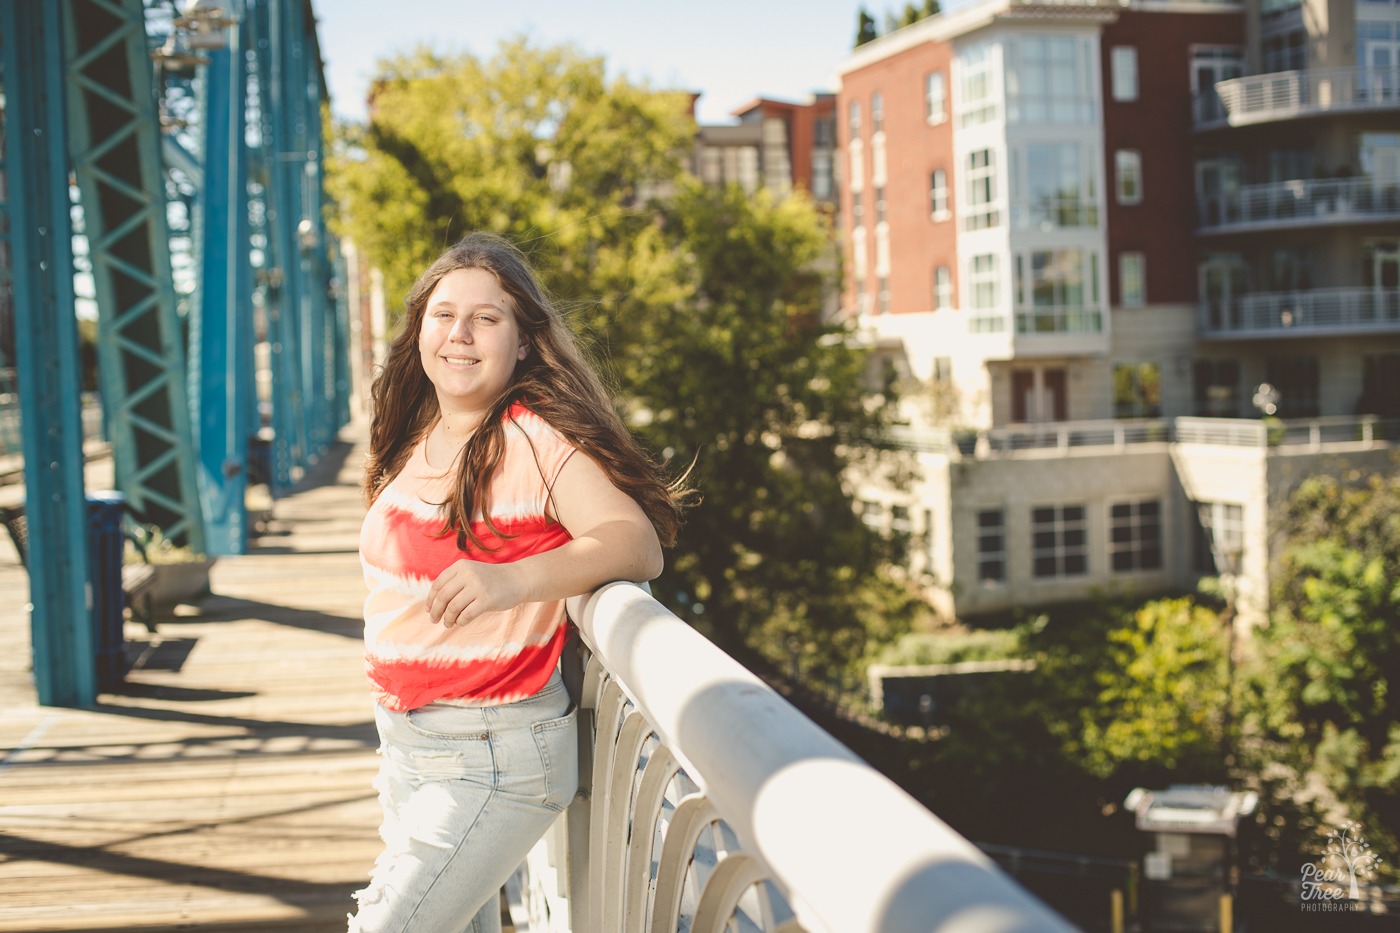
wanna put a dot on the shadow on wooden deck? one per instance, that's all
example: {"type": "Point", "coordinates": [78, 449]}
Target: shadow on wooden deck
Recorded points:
{"type": "Point", "coordinates": [227, 785]}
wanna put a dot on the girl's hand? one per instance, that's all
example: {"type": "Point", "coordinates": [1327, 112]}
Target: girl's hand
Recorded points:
{"type": "Point", "coordinates": [468, 588]}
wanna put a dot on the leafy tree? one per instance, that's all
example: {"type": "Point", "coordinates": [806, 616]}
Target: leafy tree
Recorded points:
{"type": "Point", "coordinates": [865, 28]}
{"type": "Point", "coordinates": [1322, 723]}
{"type": "Point", "coordinates": [703, 304]}
{"type": "Point", "coordinates": [734, 363]}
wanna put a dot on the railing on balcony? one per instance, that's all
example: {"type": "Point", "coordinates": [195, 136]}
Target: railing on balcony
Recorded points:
{"type": "Point", "coordinates": [1284, 95]}
{"type": "Point", "coordinates": [1052, 436]}
{"type": "Point", "coordinates": [710, 801]}
{"type": "Point", "coordinates": [1300, 203]}
{"type": "Point", "coordinates": [1303, 313]}
{"type": "Point", "coordinates": [1060, 319]}
{"type": "Point", "coordinates": [1293, 433]}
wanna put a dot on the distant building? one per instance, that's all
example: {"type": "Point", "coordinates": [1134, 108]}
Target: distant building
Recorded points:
{"type": "Point", "coordinates": [775, 145]}
{"type": "Point", "coordinates": [1087, 232]}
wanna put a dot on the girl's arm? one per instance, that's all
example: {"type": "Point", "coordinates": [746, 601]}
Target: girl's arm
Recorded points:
{"type": "Point", "coordinates": [612, 540]}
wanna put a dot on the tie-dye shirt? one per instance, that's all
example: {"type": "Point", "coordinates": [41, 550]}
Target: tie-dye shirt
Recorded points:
{"type": "Point", "coordinates": [499, 657]}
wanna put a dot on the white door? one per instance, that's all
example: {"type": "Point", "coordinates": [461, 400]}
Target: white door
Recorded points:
{"type": "Point", "coordinates": [1224, 282]}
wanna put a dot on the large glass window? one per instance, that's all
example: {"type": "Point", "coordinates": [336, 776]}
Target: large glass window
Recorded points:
{"type": "Point", "coordinates": [1296, 380]}
{"type": "Point", "coordinates": [1135, 536]}
{"type": "Point", "coordinates": [976, 102]}
{"type": "Point", "coordinates": [1132, 280]}
{"type": "Point", "coordinates": [982, 281]}
{"type": "Point", "coordinates": [1050, 82]}
{"type": "Point", "coordinates": [1124, 62]}
{"type": "Point", "coordinates": [935, 98]}
{"type": "Point", "coordinates": [1058, 190]}
{"type": "Point", "coordinates": [991, 545]}
{"type": "Point", "coordinates": [1137, 390]}
{"type": "Point", "coordinates": [1057, 292]}
{"type": "Point", "coordinates": [1215, 388]}
{"type": "Point", "coordinates": [981, 190]}
{"type": "Point", "coordinates": [1059, 541]}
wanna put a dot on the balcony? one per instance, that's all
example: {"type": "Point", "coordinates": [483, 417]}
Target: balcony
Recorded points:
{"type": "Point", "coordinates": [713, 804]}
{"type": "Point", "coordinates": [1288, 95]}
{"type": "Point", "coordinates": [1317, 312]}
{"type": "Point", "coordinates": [1048, 330]}
{"type": "Point", "coordinates": [1292, 204]}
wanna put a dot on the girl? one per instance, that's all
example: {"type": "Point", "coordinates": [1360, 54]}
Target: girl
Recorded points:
{"type": "Point", "coordinates": [500, 482]}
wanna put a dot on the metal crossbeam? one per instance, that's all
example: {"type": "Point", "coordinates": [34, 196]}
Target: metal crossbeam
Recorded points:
{"type": "Point", "coordinates": [115, 148]}
{"type": "Point", "coordinates": [40, 244]}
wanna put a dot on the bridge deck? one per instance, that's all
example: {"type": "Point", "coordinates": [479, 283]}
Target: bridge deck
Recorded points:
{"type": "Point", "coordinates": [227, 786]}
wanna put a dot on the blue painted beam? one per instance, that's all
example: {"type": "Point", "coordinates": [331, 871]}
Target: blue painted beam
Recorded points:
{"type": "Point", "coordinates": [36, 157]}
{"type": "Point", "coordinates": [221, 321]}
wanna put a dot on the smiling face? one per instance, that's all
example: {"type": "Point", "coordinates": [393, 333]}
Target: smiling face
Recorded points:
{"type": "Point", "coordinates": [469, 341]}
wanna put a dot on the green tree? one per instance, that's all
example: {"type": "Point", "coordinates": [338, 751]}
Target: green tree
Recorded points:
{"type": "Point", "coordinates": [865, 28]}
{"type": "Point", "coordinates": [733, 363]}
{"type": "Point", "coordinates": [702, 303]}
{"type": "Point", "coordinates": [1322, 724]}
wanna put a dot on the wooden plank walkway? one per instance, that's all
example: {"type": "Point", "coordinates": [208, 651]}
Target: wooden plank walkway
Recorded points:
{"type": "Point", "coordinates": [227, 785]}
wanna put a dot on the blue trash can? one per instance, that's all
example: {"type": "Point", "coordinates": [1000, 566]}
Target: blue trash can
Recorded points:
{"type": "Point", "coordinates": [105, 545]}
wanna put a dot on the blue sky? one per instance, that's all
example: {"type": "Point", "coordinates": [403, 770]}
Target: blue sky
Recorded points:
{"type": "Point", "coordinates": [731, 50]}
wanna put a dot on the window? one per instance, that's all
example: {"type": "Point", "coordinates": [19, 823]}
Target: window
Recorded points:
{"type": "Point", "coordinates": [928, 542]}
{"type": "Point", "coordinates": [823, 179]}
{"type": "Point", "coordinates": [1059, 541]}
{"type": "Point", "coordinates": [1058, 189]}
{"type": "Point", "coordinates": [858, 208]}
{"type": "Point", "coordinates": [856, 158]}
{"type": "Point", "coordinates": [877, 112]}
{"type": "Point", "coordinates": [1051, 82]}
{"type": "Point", "coordinates": [824, 132]}
{"type": "Point", "coordinates": [859, 260]}
{"type": "Point", "coordinates": [943, 370]}
{"type": "Point", "coordinates": [982, 281]}
{"type": "Point", "coordinates": [1131, 280]}
{"type": "Point", "coordinates": [1380, 385]}
{"type": "Point", "coordinates": [871, 514]}
{"type": "Point", "coordinates": [1296, 379]}
{"type": "Point", "coordinates": [884, 294]}
{"type": "Point", "coordinates": [1215, 388]}
{"type": "Point", "coordinates": [1124, 62]}
{"type": "Point", "coordinates": [942, 288]}
{"type": "Point", "coordinates": [981, 190]}
{"type": "Point", "coordinates": [1057, 292]}
{"type": "Point", "coordinates": [900, 522]}
{"type": "Point", "coordinates": [1135, 536]}
{"type": "Point", "coordinates": [975, 100]}
{"type": "Point", "coordinates": [1219, 536]}
{"type": "Point", "coordinates": [991, 545]}
{"type": "Point", "coordinates": [938, 194]}
{"type": "Point", "coordinates": [1129, 176]}
{"type": "Point", "coordinates": [880, 205]}
{"type": "Point", "coordinates": [935, 98]}
{"type": "Point", "coordinates": [853, 118]}
{"type": "Point", "coordinates": [1137, 390]}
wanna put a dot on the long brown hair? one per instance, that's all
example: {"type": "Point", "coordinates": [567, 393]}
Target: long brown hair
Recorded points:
{"type": "Point", "coordinates": [554, 381]}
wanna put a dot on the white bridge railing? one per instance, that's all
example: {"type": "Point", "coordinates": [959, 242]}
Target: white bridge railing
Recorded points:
{"type": "Point", "coordinates": [710, 803]}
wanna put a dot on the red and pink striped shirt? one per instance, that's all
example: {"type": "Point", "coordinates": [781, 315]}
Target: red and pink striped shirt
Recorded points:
{"type": "Point", "coordinates": [499, 657]}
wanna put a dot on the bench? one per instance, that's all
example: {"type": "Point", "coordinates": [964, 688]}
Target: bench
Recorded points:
{"type": "Point", "coordinates": [138, 579]}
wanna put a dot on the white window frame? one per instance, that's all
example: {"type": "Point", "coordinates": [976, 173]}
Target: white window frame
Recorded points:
{"type": "Point", "coordinates": [1127, 176]}
{"type": "Point", "coordinates": [981, 211]}
{"type": "Point", "coordinates": [938, 195]}
{"type": "Point", "coordinates": [984, 274]}
{"type": "Point", "coordinates": [942, 288]}
{"type": "Point", "coordinates": [935, 97]}
{"type": "Point", "coordinates": [877, 112]}
{"type": "Point", "coordinates": [1123, 60]}
{"type": "Point", "coordinates": [1132, 269]}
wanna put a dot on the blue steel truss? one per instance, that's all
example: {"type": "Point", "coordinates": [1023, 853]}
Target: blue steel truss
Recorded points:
{"type": "Point", "coordinates": [38, 223]}
{"type": "Point", "coordinates": [115, 147]}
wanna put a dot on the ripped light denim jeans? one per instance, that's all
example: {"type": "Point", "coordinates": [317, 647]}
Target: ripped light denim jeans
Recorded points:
{"type": "Point", "coordinates": [467, 791]}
